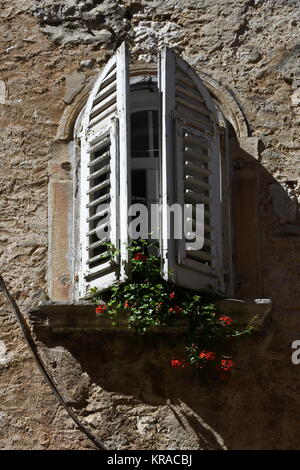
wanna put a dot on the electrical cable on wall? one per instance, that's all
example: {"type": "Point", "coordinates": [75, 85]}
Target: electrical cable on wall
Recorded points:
{"type": "Point", "coordinates": [32, 345]}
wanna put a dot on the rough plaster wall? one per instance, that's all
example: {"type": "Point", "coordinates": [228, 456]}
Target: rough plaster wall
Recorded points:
{"type": "Point", "coordinates": [249, 46]}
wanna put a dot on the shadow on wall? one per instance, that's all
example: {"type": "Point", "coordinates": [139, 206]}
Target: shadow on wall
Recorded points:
{"type": "Point", "coordinates": [265, 229]}
{"type": "Point", "coordinates": [123, 388]}
{"type": "Point", "coordinates": [125, 391]}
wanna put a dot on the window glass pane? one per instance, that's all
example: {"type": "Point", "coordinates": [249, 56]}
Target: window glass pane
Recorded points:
{"type": "Point", "coordinates": [155, 132]}
{"type": "Point", "coordinates": [138, 186]}
{"type": "Point", "coordinates": [139, 134]}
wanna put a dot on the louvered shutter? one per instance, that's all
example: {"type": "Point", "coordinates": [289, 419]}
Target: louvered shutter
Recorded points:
{"type": "Point", "coordinates": [190, 173]}
{"type": "Point", "coordinates": [104, 176]}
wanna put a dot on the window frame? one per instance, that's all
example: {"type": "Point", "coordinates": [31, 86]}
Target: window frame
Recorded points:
{"type": "Point", "coordinates": [63, 267]}
{"type": "Point", "coordinates": [135, 79]}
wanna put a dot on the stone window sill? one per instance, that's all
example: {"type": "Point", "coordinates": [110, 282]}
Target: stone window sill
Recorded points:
{"type": "Point", "coordinates": [67, 317]}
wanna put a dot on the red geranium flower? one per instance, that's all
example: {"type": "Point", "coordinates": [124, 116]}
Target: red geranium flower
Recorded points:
{"type": "Point", "coordinates": [226, 365]}
{"type": "Point", "coordinates": [178, 363]}
{"type": "Point", "coordinates": [225, 319]}
{"type": "Point", "coordinates": [100, 309]}
{"type": "Point", "coordinates": [172, 295]}
{"type": "Point", "coordinates": [140, 257]}
{"type": "Point", "coordinates": [175, 309]}
{"type": "Point", "coordinates": [207, 355]}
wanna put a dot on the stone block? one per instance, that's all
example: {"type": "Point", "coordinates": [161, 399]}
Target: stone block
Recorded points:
{"type": "Point", "coordinates": [74, 84]}
{"type": "Point", "coordinates": [284, 207]}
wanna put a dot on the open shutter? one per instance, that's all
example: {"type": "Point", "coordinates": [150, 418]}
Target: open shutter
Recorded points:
{"type": "Point", "coordinates": [104, 176]}
{"type": "Point", "coordinates": [190, 175]}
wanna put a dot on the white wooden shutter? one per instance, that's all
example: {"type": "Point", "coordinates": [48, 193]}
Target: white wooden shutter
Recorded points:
{"type": "Point", "coordinates": [104, 176]}
{"type": "Point", "coordinates": [190, 172]}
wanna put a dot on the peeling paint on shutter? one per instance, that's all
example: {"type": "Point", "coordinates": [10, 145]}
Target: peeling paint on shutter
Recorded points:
{"type": "Point", "coordinates": [190, 171]}
{"type": "Point", "coordinates": [104, 155]}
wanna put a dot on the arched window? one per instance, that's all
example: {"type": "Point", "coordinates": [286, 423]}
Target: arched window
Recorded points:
{"type": "Point", "coordinates": [150, 139]}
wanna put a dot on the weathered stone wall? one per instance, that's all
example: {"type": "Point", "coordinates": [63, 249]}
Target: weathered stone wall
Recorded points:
{"type": "Point", "coordinates": [49, 52]}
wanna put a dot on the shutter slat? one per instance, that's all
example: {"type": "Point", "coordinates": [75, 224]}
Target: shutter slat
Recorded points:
{"type": "Point", "coordinates": [191, 180]}
{"type": "Point", "coordinates": [104, 93]}
{"type": "Point", "coordinates": [197, 126]}
{"type": "Point", "coordinates": [95, 230]}
{"type": "Point", "coordinates": [111, 68]}
{"type": "Point", "coordinates": [194, 168]}
{"type": "Point", "coordinates": [100, 172]}
{"type": "Point", "coordinates": [95, 245]}
{"type": "Point", "coordinates": [104, 255]}
{"type": "Point", "coordinates": [108, 80]}
{"type": "Point", "coordinates": [200, 255]}
{"type": "Point", "coordinates": [198, 156]}
{"type": "Point", "coordinates": [196, 107]}
{"type": "Point", "coordinates": [195, 140]}
{"type": "Point", "coordinates": [191, 94]}
{"type": "Point", "coordinates": [186, 112]}
{"type": "Point", "coordinates": [200, 225]}
{"type": "Point", "coordinates": [207, 242]}
{"type": "Point", "coordinates": [112, 109]}
{"type": "Point", "coordinates": [206, 245]}
{"type": "Point", "coordinates": [104, 104]}
{"type": "Point", "coordinates": [99, 200]}
{"type": "Point", "coordinates": [98, 215]}
{"type": "Point", "coordinates": [99, 186]}
{"type": "Point", "coordinates": [194, 196]}
{"type": "Point", "coordinates": [100, 159]}
{"type": "Point", "coordinates": [184, 79]}
{"type": "Point", "coordinates": [99, 142]}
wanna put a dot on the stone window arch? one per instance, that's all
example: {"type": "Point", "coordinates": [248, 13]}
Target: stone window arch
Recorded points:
{"type": "Point", "coordinates": [66, 269]}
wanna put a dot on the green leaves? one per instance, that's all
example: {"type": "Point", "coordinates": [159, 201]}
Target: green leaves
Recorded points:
{"type": "Point", "coordinates": [149, 302]}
